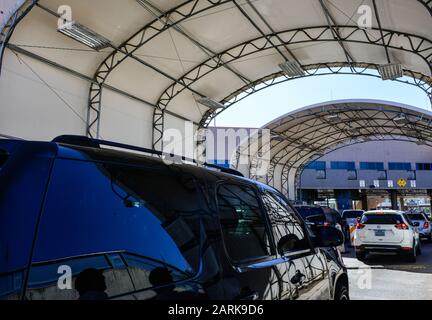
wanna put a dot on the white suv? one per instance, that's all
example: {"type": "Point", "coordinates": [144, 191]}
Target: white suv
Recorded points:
{"type": "Point", "coordinates": [386, 232]}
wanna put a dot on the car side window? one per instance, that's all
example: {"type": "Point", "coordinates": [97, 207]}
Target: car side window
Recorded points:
{"type": "Point", "coordinates": [108, 230]}
{"type": "Point", "coordinates": [243, 225]}
{"type": "Point", "coordinates": [285, 224]}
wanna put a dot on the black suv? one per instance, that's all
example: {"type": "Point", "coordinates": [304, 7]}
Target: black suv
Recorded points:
{"type": "Point", "coordinates": [83, 221]}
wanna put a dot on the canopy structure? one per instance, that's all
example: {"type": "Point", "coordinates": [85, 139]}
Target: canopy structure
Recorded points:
{"type": "Point", "coordinates": [308, 134]}
{"type": "Point", "coordinates": [131, 69]}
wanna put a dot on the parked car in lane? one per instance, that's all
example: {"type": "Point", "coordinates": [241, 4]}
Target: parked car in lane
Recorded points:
{"type": "Point", "coordinates": [125, 225]}
{"type": "Point", "coordinates": [386, 232]}
{"type": "Point", "coordinates": [424, 229]}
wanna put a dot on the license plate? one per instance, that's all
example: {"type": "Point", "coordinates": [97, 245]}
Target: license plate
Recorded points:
{"type": "Point", "coordinates": [379, 233]}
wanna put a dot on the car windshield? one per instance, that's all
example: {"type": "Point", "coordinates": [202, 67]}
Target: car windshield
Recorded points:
{"type": "Point", "coordinates": [381, 219]}
{"type": "Point", "coordinates": [352, 214]}
{"type": "Point", "coordinates": [310, 211]}
{"type": "Point", "coordinates": [416, 216]}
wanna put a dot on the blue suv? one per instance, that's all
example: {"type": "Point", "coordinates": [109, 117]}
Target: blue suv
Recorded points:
{"type": "Point", "coordinates": [90, 219]}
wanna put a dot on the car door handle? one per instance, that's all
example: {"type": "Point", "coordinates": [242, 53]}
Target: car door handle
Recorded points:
{"type": "Point", "coordinates": [298, 278]}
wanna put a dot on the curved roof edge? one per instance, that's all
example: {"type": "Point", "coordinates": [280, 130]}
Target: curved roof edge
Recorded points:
{"type": "Point", "coordinates": [354, 101]}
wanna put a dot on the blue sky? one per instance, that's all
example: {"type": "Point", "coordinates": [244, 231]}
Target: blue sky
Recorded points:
{"type": "Point", "coordinates": [271, 103]}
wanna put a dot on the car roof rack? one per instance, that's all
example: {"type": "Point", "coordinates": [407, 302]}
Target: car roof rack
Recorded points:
{"type": "Point", "coordinates": [97, 143]}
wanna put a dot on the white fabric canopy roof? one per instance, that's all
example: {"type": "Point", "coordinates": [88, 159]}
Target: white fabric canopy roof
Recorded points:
{"type": "Point", "coordinates": [168, 53]}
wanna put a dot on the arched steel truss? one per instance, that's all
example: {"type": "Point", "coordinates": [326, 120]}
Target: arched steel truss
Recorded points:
{"type": "Point", "coordinates": [427, 4]}
{"type": "Point", "coordinates": [423, 82]}
{"type": "Point", "coordinates": [323, 136]}
{"type": "Point", "coordinates": [416, 45]}
{"type": "Point", "coordinates": [9, 27]}
{"type": "Point", "coordinates": [172, 18]}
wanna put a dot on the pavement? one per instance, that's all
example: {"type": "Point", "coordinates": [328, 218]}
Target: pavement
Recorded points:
{"type": "Point", "coordinates": [389, 277]}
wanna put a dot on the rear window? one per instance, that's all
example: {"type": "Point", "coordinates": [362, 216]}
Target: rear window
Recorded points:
{"type": "Point", "coordinates": [306, 212]}
{"type": "Point", "coordinates": [381, 219]}
{"type": "Point", "coordinates": [416, 216]}
{"type": "Point", "coordinates": [352, 214]}
{"type": "Point", "coordinates": [139, 228]}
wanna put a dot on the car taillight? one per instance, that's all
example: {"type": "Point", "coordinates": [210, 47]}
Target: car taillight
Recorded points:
{"type": "Point", "coordinates": [360, 225]}
{"type": "Point", "coordinates": [401, 226]}
{"type": "Point", "coordinates": [426, 225]}
{"type": "Point", "coordinates": [326, 224]}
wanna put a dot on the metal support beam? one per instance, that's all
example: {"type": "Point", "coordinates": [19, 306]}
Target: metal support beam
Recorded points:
{"type": "Point", "coordinates": [334, 29]}
{"type": "Point", "coordinates": [380, 27]}
{"type": "Point", "coordinates": [176, 15]}
{"type": "Point", "coordinates": [150, 7]}
{"type": "Point", "coordinates": [9, 27]}
{"type": "Point", "coordinates": [421, 81]}
{"type": "Point", "coordinates": [266, 36]}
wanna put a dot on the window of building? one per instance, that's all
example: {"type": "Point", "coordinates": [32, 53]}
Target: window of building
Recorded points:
{"type": "Point", "coordinates": [424, 166]}
{"type": "Point", "coordinates": [285, 224]}
{"type": "Point", "coordinates": [116, 224]}
{"type": "Point", "coordinates": [342, 165]}
{"type": "Point", "coordinates": [411, 175]}
{"type": "Point", "coordinates": [243, 225]}
{"type": "Point", "coordinates": [352, 174]}
{"type": "Point", "coordinates": [316, 165]}
{"type": "Point", "coordinates": [372, 166]}
{"type": "Point", "coordinates": [321, 174]}
{"type": "Point", "coordinates": [401, 166]}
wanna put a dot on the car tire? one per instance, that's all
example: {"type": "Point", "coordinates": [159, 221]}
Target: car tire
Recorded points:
{"type": "Point", "coordinates": [411, 256]}
{"type": "Point", "coordinates": [341, 293]}
{"type": "Point", "coordinates": [361, 256]}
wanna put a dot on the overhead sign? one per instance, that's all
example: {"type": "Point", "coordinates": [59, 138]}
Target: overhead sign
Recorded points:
{"type": "Point", "coordinates": [402, 183]}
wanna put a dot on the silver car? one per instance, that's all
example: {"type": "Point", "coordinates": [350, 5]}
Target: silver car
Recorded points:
{"type": "Point", "coordinates": [424, 229]}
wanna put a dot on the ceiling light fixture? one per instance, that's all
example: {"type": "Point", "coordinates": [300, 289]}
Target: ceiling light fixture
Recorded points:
{"type": "Point", "coordinates": [210, 103]}
{"type": "Point", "coordinates": [401, 119]}
{"type": "Point", "coordinates": [84, 35]}
{"type": "Point", "coordinates": [333, 118]}
{"type": "Point", "coordinates": [391, 71]}
{"type": "Point", "coordinates": [292, 69]}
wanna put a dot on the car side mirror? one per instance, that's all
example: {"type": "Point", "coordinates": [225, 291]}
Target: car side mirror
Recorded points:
{"type": "Point", "coordinates": [326, 237]}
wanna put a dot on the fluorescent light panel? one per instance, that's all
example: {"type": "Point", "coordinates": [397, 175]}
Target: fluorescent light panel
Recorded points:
{"type": "Point", "coordinates": [391, 71]}
{"type": "Point", "coordinates": [292, 69]}
{"type": "Point", "coordinates": [210, 103]}
{"type": "Point", "coordinates": [401, 119]}
{"type": "Point", "coordinates": [84, 35]}
{"type": "Point", "coordinates": [333, 118]}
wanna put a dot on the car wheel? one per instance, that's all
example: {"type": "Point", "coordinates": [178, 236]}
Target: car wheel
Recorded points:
{"type": "Point", "coordinates": [361, 256]}
{"type": "Point", "coordinates": [411, 256]}
{"type": "Point", "coordinates": [342, 293]}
